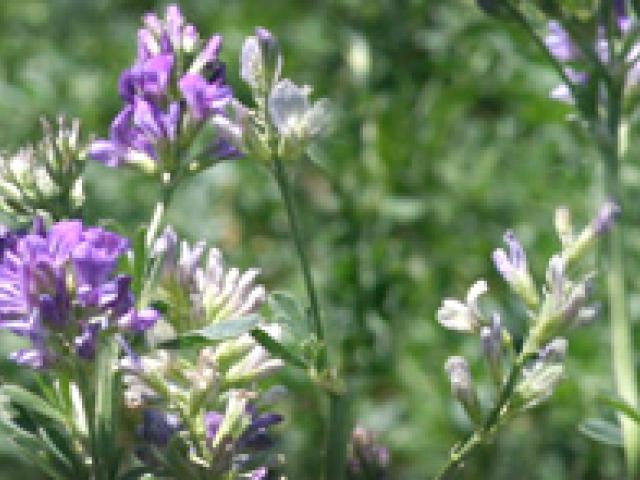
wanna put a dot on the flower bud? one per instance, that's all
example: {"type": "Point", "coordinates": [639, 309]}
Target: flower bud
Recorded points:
{"type": "Point", "coordinates": [564, 226]}
{"type": "Point", "coordinates": [601, 224]}
{"type": "Point", "coordinates": [261, 61]}
{"type": "Point", "coordinates": [514, 269]}
{"type": "Point", "coordinates": [540, 379]}
{"type": "Point", "coordinates": [491, 337]}
{"type": "Point", "coordinates": [462, 385]}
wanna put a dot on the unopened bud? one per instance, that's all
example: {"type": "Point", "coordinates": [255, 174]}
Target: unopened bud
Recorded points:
{"type": "Point", "coordinates": [491, 337]}
{"type": "Point", "coordinates": [564, 226]}
{"type": "Point", "coordinates": [462, 385]}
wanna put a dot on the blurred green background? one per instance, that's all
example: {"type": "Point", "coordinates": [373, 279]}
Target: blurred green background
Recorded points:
{"type": "Point", "coordinates": [445, 137]}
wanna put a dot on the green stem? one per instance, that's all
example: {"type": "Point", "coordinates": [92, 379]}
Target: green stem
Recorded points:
{"type": "Point", "coordinates": [159, 217]}
{"type": "Point", "coordinates": [339, 424]}
{"type": "Point", "coordinates": [621, 334]}
{"type": "Point", "coordinates": [285, 191]}
{"type": "Point", "coordinates": [339, 429]}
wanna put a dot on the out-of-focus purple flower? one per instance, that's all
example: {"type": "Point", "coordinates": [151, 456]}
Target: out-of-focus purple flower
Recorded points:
{"type": "Point", "coordinates": [559, 43]}
{"type": "Point", "coordinates": [212, 422]}
{"type": "Point", "coordinates": [368, 460]}
{"type": "Point", "coordinates": [256, 436]}
{"type": "Point", "coordinates": [261, 473]}
{"type": "Point", "coordinates": [158, 426]}
{"type": "Point", "coordinates": [86, 343]}
{"type": "Point", "coordinates": [607, 214]}
{"type": "Point", "coordinates": [61, 282]}
{"type": "Point", "coordinates": [154, 89]}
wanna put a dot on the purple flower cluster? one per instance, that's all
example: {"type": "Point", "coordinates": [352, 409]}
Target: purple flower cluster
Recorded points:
{"type": "Point", "coordinates": [564, 49]}
{"type": "Point", "coordinates": [166, 104]}
{"type": "Point", "coordinates": [58, 289]}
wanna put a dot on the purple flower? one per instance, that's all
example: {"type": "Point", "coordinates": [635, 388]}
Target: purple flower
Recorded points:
{"type": "Point", "coordinates": [559, 43]}
{"type": "Point", "coordinates": [261, 473]}
{"type": "Point", "coordinates": [607, 214]}
{"type": "Point", "coordinates": [156, 86]}
{"type": "Point", "coordinates": [147, 79]}
{"type": "Point", "coordinates": [62, 281]}
{"type": "Point", "coordinates": [212, 422]}
{"type": "Point", "coordinates": [137, 133]}
{"type": "Point", "coordinates": [203, 98]}
{"type": "Point", "coordinates": [158, 426]}
{"type": "Point", "coordinates": [256, 436]}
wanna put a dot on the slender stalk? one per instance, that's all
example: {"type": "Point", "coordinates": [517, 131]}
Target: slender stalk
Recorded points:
{"type": "Point", "coordinates": [621, 340]}
{"type": "Point", "coordinates": [339, 413]}
{"type": "Point", "coordinates": [285, 191]}
{"type": "Point", "coordinates": [159, 217]}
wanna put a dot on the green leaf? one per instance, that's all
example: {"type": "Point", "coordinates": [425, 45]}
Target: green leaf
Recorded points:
{"type": "Point", "coordinates": [222, 330]}
{"type": "Point", "coordinates": [32, 402]}
{"type": "Point", "coordinates": [276, 349]}
{"type": "Point", "coordinates": [288, 311]}
{"type": "Point", "coordinates": [602, 431]}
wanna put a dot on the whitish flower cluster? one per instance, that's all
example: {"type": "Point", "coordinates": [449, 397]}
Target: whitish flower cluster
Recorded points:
{"type": "Point", "coordinates": [45, 178]}
{"type": "Point", "coordinates": [200, 290]}
{"type": "Point", "coordinates": [284, 120]}
{"type": "Point", "coordinates": [563, 303]}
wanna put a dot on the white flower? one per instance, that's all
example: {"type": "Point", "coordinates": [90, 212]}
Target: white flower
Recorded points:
{"type": "Point", "coordinates": [463, 317]}
{"type": "Point", "coordinates": [293, 114]}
